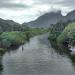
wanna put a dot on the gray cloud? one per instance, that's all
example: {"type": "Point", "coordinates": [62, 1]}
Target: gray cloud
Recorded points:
{"type": "Point", "coordinates": [63, 3]}
{"type": "Point", "coordinates": [28, 11]}
{"type": "Point", "coordinates": [10, 4]}
{"type": "Point", "coordinates": [13, 6]}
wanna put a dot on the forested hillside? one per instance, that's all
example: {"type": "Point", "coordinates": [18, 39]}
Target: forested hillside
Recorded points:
{"type": "Point", "coordinates": [13, 34]}
{"type": "Point", "coordinates": [68, 35]}
{"type": "Point", "coordinates": [45, 20]}
{"type": "Point", "coordinates": [63, 33]}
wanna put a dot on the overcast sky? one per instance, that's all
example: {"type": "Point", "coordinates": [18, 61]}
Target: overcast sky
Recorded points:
{"type": "Point", "coordinates": [28, 10]}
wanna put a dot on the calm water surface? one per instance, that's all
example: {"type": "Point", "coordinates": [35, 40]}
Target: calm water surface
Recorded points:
{"type": "Point", "coordinates": [37, 57]}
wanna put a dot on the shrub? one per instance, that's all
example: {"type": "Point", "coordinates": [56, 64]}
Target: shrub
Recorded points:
{"type": "Point", "coordinates": [68, 35]}
{"type": "Point", "coordinates": [12, 38]}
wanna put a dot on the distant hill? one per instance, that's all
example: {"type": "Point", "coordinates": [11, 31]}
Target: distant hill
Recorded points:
{"type": "Point", "coordinates": [45, 20]}
{"type": "Point", "coordinates": [71, 15]}
{"type": "Point", "coordinates": [9, 25]}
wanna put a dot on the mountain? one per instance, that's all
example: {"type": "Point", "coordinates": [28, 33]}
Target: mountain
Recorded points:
{"type": "Point", "coordinates": [9, 25]}
{"type": "Point", "coordinates": [71, 15]}
{"type": "Point", "coordinates": [45, 20]}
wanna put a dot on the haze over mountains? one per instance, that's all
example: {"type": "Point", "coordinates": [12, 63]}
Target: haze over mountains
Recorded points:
{"type": "Point", "coordinates": [51, 18]}
{"type": "Point", "coordinates": [9, 25]}
{"type": "Point", "coordinates": [43, 21]}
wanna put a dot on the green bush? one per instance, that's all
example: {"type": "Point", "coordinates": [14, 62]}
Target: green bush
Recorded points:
{"type": "Point", "coordinates": [2, 51]}
{"type": "Point", "coordinates": [12, 38]}
{"type": "Point", "coordinates": [68, 35]}
{"type": "Point", "coordinates": [16, 38]}
{"type": "Point", "coordinates": [56, 30]}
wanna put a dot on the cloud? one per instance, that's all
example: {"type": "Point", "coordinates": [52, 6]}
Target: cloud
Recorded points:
{"type": "Point", "coordinates": [14, 4]}
{"type": "Point", "coordinates": [30, 3]}
{"type": "Point", "coordinates": [27, 10]}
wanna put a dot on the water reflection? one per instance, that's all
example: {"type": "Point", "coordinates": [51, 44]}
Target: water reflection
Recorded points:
{"type": "Point", "coordinates": [1, 66]}
{"type": "Point", "coordinates": [37, 57]}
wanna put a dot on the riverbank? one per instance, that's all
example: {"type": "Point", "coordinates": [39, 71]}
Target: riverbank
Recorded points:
{"type": "Point", "coordinates": [63, 34]}
{"type": "Point", "coordinates": [36, 58]}
{"type": "Point", "coordinates": [12, 40]}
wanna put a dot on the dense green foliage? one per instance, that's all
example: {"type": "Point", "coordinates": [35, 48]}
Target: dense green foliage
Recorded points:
{"type": "Point", "coordinates": [68, 35]}
{"type": "Point", "coordinates": [56, 30]}
{"type": "Point", "coordinates": [2, 51]}
{"type": "Point", "coordinates": [13, 34]}
{"type": "Point", "coordinates": [63, 33]}
{"type": "Point", "coordinates": [16, 38]}
{"type": "Point", "coordinates": [12, 38]}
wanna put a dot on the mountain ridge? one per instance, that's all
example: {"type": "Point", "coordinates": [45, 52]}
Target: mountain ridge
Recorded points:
{"type": "Point", "coordinates": [44, 21]}
{"type": "Point", "coordinates": [47, 19]}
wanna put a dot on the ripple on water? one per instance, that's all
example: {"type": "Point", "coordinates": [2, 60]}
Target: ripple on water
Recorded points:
{"type": "Point", "coordinates": [36, 59]}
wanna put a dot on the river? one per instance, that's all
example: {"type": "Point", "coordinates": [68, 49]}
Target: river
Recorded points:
{"type": "Point", "coordinates": [37, 57]}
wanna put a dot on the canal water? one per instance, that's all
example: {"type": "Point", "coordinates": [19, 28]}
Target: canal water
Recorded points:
{"type": "Point", "coordinates": [37, 57]}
